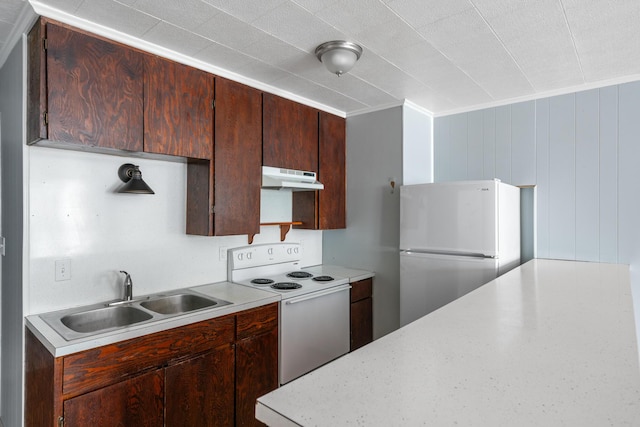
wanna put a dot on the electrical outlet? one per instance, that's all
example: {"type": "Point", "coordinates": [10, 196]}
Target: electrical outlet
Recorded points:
{"type": "Point", "coordinates": [63, 270]}
{"type": "Point", "coordinates": [223, 253]}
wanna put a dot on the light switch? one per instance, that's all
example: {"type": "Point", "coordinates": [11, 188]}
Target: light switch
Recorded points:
{"type": "Point", "coordinates": [63, 270]}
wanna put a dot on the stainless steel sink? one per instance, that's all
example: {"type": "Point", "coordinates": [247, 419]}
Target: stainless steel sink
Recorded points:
{"type": "Point", "coordinates": [82, 322]}
{"type": "Point", "coordinates": [104, 318]}
{"type": "Point", "coordinates": [180, 303]}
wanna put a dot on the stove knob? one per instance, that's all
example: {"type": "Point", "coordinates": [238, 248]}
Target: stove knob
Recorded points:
{"type": "Point", "coordinates": [289, 251]}
{"type": "Point", "coordinates": [249, 255]}
{"type": "Point", "coordinates": [295, 250]}
{"type": "Point", "coordinates": [270, 251]}
{"type": "Point", "coordinates": [240, 256]}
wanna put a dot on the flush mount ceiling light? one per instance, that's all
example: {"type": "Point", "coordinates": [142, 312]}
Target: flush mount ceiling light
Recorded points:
{"type": "Point", "coordinates": [338, 56]}
{"type": "Point", "coordinates": [132, 177]}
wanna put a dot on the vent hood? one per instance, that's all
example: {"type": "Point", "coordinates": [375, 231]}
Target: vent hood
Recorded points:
{"type": "Point", "coordinates": [289, 179]}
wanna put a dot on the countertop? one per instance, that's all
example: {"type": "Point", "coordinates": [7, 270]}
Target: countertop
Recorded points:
{"type": "Point", "coordinates": [353, 274]}
{"type": "Point", "coordinates": [241, 297]}
{"type": "Point", "coordinates": [549, 343]}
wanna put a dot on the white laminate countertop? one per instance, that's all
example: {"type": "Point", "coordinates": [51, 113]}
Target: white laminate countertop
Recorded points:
{"type": "Point", "coordinates": [241, 297]}
{"type": "Point", "coordinates": [352, 274]}
{"type": "Point", "coordinates": [550, 343]}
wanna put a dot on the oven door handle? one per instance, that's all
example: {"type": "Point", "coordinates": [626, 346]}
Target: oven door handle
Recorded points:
{"type": "Point", "coordinates": [318, 294]}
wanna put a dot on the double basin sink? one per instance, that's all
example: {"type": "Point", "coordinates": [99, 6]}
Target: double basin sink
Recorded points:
{"type": "Point", "coordinates": [100, 318]}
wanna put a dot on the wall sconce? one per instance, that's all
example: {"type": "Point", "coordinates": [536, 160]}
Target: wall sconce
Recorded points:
{"type": "Point", "coordinates": [338, 56]}
{"type": "Point", "coordinates": [132, 177]}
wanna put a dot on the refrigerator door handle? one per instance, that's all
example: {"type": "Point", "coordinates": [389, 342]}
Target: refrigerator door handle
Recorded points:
{"type": "Point", "coordinates": [452, 253]}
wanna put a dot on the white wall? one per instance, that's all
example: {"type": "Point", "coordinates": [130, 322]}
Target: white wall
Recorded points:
{"type": "Point", "coordinates": [11, 108]}
{"type": "Point", "coordinates": [75, 213]}
{"type": "Point", "coordinates": [371, 239]}
{"type": "Point", "coordinates": [417, 146]}
{"type": "Point", "coordinates": [581, 150]}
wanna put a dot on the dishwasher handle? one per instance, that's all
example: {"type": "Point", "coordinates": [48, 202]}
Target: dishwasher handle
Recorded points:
{"type": "Point", "coordinates": [318, 294]}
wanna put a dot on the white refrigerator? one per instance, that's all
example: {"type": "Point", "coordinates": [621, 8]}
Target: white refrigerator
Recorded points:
{"type": "Point", "coordinates": [454, 237]}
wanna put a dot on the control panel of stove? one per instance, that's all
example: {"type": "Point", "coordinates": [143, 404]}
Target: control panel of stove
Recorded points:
{"type": "Point", "coordinates": [267, 254]}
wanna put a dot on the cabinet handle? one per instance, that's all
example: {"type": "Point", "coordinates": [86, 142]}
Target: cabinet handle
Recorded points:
{"type": "Point", "coordinates": [317, 295]}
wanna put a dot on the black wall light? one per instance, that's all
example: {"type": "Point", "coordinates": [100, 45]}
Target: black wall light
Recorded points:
{"type": "Point", "coordinates": [132, 177]}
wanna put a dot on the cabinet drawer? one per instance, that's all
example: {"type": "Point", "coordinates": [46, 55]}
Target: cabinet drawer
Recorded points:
{"type": "Point", "coordinates": [91, 369]}
{"type": "Point", "coordinates": [257, 321]}
{"type": "Point", "coordinates": [361, 289]}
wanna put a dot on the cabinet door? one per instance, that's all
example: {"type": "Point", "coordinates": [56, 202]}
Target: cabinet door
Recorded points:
{"type": "Point", "coordinates": [94, 90]}
{"type": "Point", "coordinates": [178, 109]}
{"type": "Point", "coordinates": [361, 323]}
{"type": "Point", "coordinates": [256, 372]}
{"type": "Point", "coordinates": [238, 158]}
{"type": "Point", "coordinates": [137, 401]}
{"type": "Point", "coordinates": [199, 391]}
{"type": "Point", "coordinates": [290, 134]}
{"type": "Point", "coordinates": [326, 209]}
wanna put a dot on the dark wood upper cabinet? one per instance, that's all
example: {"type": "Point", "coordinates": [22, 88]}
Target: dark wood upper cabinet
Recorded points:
{"type": "Point", "coordinates": [178, 109]}
{"type": "Point", "coordinates": [238, 158]}
{"type": "Point", "coordinates": [223, 196]}
{"type": "Point", "coordinates": [84, 89]}
{"type": "Point", "coordinates": [290, 134]}
{"type": "Point", "coordinates": [326, 209]}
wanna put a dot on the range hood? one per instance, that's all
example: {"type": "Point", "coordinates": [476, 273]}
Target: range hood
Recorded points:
{"type": "Point", "coordinates": [289, 179]}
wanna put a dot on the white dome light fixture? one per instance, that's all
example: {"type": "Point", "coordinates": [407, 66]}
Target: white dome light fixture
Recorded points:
{"type": "Point", "coordinates": [338, 56]}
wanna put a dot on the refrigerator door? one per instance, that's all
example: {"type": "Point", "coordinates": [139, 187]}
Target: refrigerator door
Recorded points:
{"type": "Point", "coordinates": [428, 282]}
{"type": "Point", "coordinates": [450, 217]}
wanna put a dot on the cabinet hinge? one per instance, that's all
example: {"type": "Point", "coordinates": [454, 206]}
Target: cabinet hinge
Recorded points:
{"type": "Point", "coordinates": [60, 421]}
{"type": "Point", "coordinates": [213, 104]}
{"type": "Point", "coordinates": [45, 117]}
{"type": "Point", "coordinates": [213, 209]}
{"type": "Point", "coordinates": [45, 44]}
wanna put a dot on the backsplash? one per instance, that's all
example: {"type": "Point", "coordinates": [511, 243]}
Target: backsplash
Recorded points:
{"type": "Point", "coordinates": [75, 214]}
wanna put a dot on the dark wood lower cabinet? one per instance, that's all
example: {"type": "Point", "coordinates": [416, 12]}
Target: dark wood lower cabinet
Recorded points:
{"type": "Point", "coordinates": [361, 313]}
{"type": "Point", "coordinates": [199, 375]}
{"type": "Point", "coordinates": [199, 391]}
{"type": "Point", "coordinates": [133, 402]}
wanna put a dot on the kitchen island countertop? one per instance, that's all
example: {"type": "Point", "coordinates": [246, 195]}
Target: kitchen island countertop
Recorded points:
{"type": "Point", "coordinates": [549, 343]}
{"type": "Point", "coordinates": [241, 298]}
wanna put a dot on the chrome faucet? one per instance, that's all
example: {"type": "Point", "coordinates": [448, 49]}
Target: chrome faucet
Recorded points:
{"type": "Point", "coordinates": [128, 287]}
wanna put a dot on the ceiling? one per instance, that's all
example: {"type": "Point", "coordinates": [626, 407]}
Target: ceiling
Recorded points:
{"type": "Point", "coordinates": [441, 55]}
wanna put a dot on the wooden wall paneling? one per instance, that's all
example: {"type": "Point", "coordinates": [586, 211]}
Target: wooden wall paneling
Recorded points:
{"type": "Point", "coordinates": [475, 149]}
{"type": "Point", "coordinates": [562, 177]}
{"type": "Point", "coordinates": [178, 109]}
{"type": "Point", "coordinates": [200, 176]}
{"type": "Point", "coordinates": [523, 143]}
{"type": "Point", "coordinates": [94, 91]}
{"type": "Point", "coordinates": [503, 143]}
{"type": "Point", "coordinates": [238, 158]}
{"type": "Point", "coordinates": [441, 146]}
{"type": "Point", "coordinates": [608, 167]}
{"type": "Point", "coordinates": [587, 180]}
{"type": "Point", "coordinates": [458, 155]}
{"type": "Point", "coordinates": [628, 172]}
{"type": "Point", "coordinates": [542, 177]}
{"type": "Point", "coordinates": [489, 142]}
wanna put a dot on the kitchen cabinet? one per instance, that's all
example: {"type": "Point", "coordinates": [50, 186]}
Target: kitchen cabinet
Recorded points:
{"type": "Point", "coordinates": [256, 360]}
{"type": "Point", "coordinates": [178, 109]}
{"type": "Point", "coordinates": [361, 313]}
{"type": "Point", "coordinates": [133, 402]}
{"type": "Point", "coordinates": [187, 376]}
{"type": "Point", "coordinates": [326, 209]}
{"type": "Point", "coordinates": [83, 90]}
{"type": "Point", "coordinates": [223, 196]}
{"type": "Point", "coordinates": [290, 134]}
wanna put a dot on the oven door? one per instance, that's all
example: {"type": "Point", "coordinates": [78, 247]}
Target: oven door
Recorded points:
{"type": "Point", "coordinates": [314, 330]}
